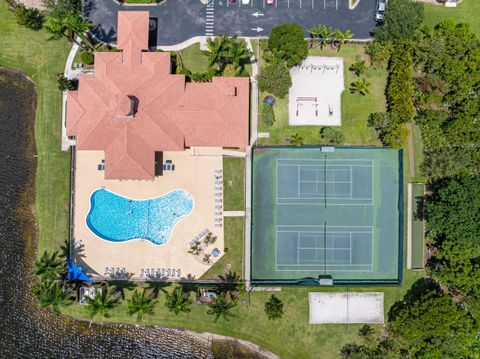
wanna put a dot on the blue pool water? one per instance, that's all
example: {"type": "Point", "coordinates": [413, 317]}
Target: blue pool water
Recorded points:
{"type": "Point", "coordinates": [118, 219]}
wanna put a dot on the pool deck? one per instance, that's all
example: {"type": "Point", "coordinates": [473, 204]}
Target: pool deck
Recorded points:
{"type": "Point", "coordinates": [194, 172]}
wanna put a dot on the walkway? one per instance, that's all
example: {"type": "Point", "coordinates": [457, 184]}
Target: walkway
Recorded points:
{"type": "Point", "coordinates": [411, 149]}
{"type": "Point", "coordinates": [233, 213]}
{"type": "Point", "coordinates": [179, 20]}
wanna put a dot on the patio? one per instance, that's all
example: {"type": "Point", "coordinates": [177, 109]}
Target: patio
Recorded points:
{"type": "Point", "coordinates": [196, 170]}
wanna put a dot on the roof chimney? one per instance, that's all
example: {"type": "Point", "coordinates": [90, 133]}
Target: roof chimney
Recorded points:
{"type": "Point", "coordinates": [127, 107]}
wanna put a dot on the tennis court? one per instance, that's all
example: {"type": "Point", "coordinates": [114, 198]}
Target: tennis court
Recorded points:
{"type": "Point", "coordinates": [324, 212]}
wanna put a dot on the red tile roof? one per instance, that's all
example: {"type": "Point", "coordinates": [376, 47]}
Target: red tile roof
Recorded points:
{"type": "Point", "coordinates": [132, 106]}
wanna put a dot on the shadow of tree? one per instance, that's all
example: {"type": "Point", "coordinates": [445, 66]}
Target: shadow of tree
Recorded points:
{"type": "Point", "coordinates": [157, 286]}
{"type": "Point", "coordinates": [418, 289]}
{"type": "Point", "coordinates": [122, 285]}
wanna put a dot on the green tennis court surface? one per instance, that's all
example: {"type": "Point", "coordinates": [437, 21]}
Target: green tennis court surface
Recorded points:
{"type": "Point", "coordinates": [333, 214]}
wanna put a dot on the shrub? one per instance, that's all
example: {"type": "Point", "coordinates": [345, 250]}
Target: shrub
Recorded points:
{"type": "Point", "coordinates": [28, 17]}
{"type": "Point", "coordinates": [400, 87]}
{"type": "Point", "coordinates": [379, 53]}
{"type": "Point", "coordinates": [274, 308]}
{"type": "Point", "coordinates": [275, 78]}
{"type": "Point", "coordinates": [287, 43]}
{"type": "Point", "coordinates": [268, 116]}
{"type": "Point", "coordinates": [87, 57]}
{"type": "Point", "coordinates": [65, 84]}
{"type": "Point", "coordinates": [402, 19]}
{"type": "Point", "coordinates": [332, 135]}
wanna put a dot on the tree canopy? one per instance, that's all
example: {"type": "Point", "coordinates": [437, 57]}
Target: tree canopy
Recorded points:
{"type": "Point", "coordinates": [428, 324]}
{"type": "Point", "coordinates": [453, 214]}
{"type": "Point", "coordinates": [275, 78]}
{"type": "Point", "coordinates": [447, 63]}
{"type": "Point", "coordinates": [402, 19]}
{"type": "Point", "coordinates": [287, 43]}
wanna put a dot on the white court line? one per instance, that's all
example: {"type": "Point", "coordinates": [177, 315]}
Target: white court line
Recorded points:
{"type": "Point", "coordinates": [298, 247]}
{"type": "Point", "coordinates": [298, 185]}
{"type": "Point", "coordinates": [351, 182]}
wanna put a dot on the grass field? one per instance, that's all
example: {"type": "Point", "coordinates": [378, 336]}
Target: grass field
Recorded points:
{"type": "Point", "coordinates": [194, 59]}
{"type": "Point", "coordinates": [234, 184]}
{"type": "Point", "coordinates": [355, 108]}
{"type": "Point", "coordinates": [41, 60]}
{"type": "Point", "coordinates": [290, 337]}
{"type": "Point", "coordinates": [232, 259]}
{"type": "Point", "coordinates": [467, 11]}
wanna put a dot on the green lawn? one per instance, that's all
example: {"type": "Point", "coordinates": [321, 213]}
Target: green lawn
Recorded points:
{"type": "Point", "coordinates": [232, 260]}
{"type": "Point", "coordinates": [467, 11]}
{"type": "Point", "coordinates": [41, 60]}
{"type": "Point", "coordinates": [290, 337]}
{"type": "Point", "coordinates": [194, 59]}
{"type": "Point", "coordinates": [355, 108]}
{"type": "Point", "coordinates": [234, 183]}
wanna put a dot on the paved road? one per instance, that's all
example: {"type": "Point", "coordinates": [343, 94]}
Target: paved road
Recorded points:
{"type": "Point", "coordinates": [179, 20]}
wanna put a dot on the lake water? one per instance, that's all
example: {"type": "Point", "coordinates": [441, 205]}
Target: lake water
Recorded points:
{"type": "Point", "coordinates": [25, 331]}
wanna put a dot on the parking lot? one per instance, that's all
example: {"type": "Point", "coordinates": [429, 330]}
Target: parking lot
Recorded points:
{"type": "Point", "coordinates": [294, 4]}
{"type": "Point", "coordinates": [258, 17]}
{"type": "Point", "coordinates": [180, 20]}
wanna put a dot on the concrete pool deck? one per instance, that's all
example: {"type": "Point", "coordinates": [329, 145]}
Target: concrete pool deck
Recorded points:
{"type": "Point", "coordinates": [194, 172]}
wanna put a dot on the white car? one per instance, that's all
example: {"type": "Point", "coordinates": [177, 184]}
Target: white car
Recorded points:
{"type": "Point", "coordinates": [245, 2]}
{"type": "Point", "coordinates": [380, 10]}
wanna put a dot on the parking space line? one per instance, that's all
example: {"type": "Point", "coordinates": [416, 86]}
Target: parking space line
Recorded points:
{"type": "Point", "coordinates": [300, 4]}
{"type": "Point", "coordinates": [288, 4]}
{"type": "Point", "coordinates": [313, 4]}
{"type": "Point", "coordinates": [324, 4]}
{"type": "Point", "coordinates": [336, 4]}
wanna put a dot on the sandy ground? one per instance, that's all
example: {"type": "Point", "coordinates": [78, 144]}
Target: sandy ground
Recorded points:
{"type": "Point", "coordinates": [194, 172]}
{"type": "Point", "coordinates": [315, 95]}
{"type": "Point", "coordinates": [38, 4]}
{"type": "Point", "coordinates": [366, 307]}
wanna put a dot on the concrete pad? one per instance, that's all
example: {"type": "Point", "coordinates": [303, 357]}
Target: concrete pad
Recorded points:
{"type": "Point", "coordinates": [343, 307]}
{"type": "Point", "coordinates": [315, 95]}
{"type": "Point", "coordinates": [194, 173]}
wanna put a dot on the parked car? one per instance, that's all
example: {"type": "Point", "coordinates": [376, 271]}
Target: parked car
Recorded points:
{"type": "Point", "coordinates": [380, 10]}
{"type": "Point", "coordinates": [245, 2]}
{"type": "Point", "coordinates": [270, 2]}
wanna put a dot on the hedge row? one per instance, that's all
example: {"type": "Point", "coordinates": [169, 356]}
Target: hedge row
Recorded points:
{"type": "Point", "coordinates": [400, 87]}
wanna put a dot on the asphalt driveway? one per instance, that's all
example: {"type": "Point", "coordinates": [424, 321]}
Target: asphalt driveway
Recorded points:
{"type": "Point", "coordinates": [179, 20]}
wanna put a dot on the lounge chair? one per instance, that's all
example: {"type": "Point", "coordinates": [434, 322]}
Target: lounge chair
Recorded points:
{"type": "Point", "coordinates": [142, 272]}
{"type": "Point", "coordinates": [218, 224]}
{"type": "Point", "coordinates": [218, 201]}
{"type": "Point", "coordinates": [168, 272]}
{"type": "Point", "coordinates": [163, 272]}
{"type": "Point", "coordinates": [179, 273]}
{"type": "Point", "coordinates": [218, 207]}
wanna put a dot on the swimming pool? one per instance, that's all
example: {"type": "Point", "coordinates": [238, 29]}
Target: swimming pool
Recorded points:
{"type": "Point", "coordinates": [118, 219]}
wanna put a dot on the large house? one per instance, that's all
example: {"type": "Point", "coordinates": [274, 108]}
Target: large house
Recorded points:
{"type": "Point", "coordinates": [133, 108]}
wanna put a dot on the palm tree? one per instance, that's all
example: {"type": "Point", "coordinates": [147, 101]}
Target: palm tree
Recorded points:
{"type": "Point", "coordinates": [49, 266]}
{"type": "Point", "coordinates": [178, 301]}
{"type": "Point", "coordinates": [102, 302]}
{"type": "Point", "coordinates": [325, 35]}
{"type": "Point", "coordinates": [315, 32]}
{"type": "Point", "coordinates": [296, 139]}
{"type": "Point", "coordinates": [224, 50]}
{"type": "Point", "coordinates": [221, 307]}
{"type": "Point", "coordinates": [141, 304]}
{"type": "Point", "coordinates": [69, 25]}
{"type": "Point", "coordinates": [358, 68]}
{"type": "Point", "coordinates": [360, 86]}
{"type": "Point", "coordinates": [229, 283]}
{"type": "Point", "coordinates": [50, 293]}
